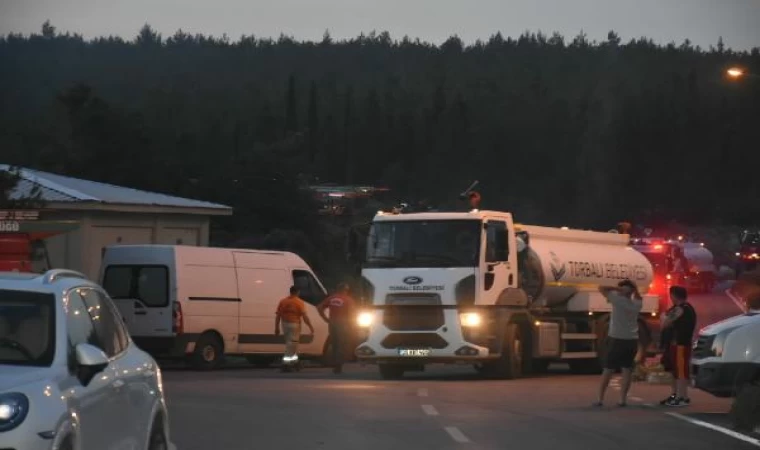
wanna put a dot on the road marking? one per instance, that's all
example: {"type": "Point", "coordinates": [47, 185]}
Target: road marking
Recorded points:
{"type": "Point", "coordinates": [422, 392]}
{"type": "Point", "coordinates": [736, 301]}
{"type": "Point", "coordinates": [430, 410]}
{"type": "Point", "coordinates": [172, 446]}
{"type": "Point", "coordinates": [719, 429]}
{"type": "Point", "coordinates": [457, 435]}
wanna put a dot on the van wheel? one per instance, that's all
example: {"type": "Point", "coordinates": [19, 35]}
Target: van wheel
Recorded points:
{"type": "Point", "coordinates": [209, 352]}
{"type": "Point", "coordinates": [157, 437]}
{"type": "Point", "coordinates": [391, 371]}
{"type": "Point", "coordinates": [510, 364]}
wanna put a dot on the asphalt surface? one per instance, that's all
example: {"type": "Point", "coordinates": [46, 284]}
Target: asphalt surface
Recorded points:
{"type": "Point", "coordinates": [443, 408]}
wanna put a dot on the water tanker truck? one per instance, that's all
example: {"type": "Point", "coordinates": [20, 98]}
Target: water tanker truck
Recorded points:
{"type": "Point", "coordinates": [476, 288]}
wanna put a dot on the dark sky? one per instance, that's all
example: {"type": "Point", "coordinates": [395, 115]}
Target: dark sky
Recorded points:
{"type": "Point", "coordinates": [702, 21]}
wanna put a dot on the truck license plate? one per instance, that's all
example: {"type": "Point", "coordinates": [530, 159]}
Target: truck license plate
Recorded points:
{"type": "Point", "coordinates": [414, 352]}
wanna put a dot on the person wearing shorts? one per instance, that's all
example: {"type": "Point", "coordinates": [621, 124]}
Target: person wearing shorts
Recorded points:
{"type": "Point", "coordinates": [678, 324]}
{"type": "Point", "coordinates": [623, 336]}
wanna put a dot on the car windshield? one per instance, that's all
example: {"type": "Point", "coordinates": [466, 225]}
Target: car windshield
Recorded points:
{"type": "Point", "coordinates": [419, 243]}
{"type": "Point", "coordinates": [27, 328]}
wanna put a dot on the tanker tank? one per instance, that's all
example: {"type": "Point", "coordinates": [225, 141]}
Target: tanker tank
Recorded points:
{"type": "Point", "coordinates": [700, 259]}
{"type": "Point", "coordinates": [560, 263]}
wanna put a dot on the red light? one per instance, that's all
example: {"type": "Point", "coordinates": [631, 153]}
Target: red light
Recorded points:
{"type": "Point", "coordinates": [658, 247]}
{"type": "Point", "coordinates": [668, 276]}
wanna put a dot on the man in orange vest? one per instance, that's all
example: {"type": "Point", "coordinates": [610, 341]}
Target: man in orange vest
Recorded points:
{"type": "Point", "coordinates": [342, 313]}
{"type": "Point", "coordinates": [290, 312]}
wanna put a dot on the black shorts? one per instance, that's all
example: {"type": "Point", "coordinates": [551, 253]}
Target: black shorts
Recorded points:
{"type": "Point", "coordinates": [621, 353]}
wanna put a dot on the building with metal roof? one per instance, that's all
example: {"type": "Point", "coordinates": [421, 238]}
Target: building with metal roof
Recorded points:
{"type": "Point", "coordinates": [79, 218]}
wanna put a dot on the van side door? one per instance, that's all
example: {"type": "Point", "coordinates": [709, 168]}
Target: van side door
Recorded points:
{"type": "Point", "coordinates": [142, 294]}
{"type": "Point", "coordinates": [312, 293]}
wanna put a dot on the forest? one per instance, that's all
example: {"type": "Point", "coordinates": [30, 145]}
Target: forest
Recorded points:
{"type": "Point", "coordinates": [558, 131]}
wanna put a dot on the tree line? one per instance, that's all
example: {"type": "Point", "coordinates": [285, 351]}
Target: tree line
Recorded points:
{"type": "Point", "coordinates": [560, 132]}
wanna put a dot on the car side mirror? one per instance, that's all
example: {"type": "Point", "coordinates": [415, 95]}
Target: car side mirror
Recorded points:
{"type": "Point", "coordinates": [90, 361]}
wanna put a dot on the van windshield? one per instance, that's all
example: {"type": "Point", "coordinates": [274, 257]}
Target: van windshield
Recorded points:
{"type": "Point", "coordinates": [27, 328]}
{"type": "Point", "coordinates": [424, 243]}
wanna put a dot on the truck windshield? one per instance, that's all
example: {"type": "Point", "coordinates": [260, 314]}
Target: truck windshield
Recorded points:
{"type": "Point", "coordinates": [750, 239]}
{"type": "Point", "coordinates": [418, 243]}
{"type": "Point", "coordinates": [27, 328]}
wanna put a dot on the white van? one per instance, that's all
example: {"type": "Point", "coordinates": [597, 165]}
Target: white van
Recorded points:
{"type": "Point", "coordinates": [205, 303]}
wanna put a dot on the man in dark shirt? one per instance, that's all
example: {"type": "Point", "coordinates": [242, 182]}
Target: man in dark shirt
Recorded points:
{"type": "Point", "coordinates": [342, 313]}
{"type": "Point", "coordinates": [678, 324]}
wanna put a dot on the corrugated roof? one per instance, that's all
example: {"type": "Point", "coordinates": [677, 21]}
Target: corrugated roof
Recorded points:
{"type": "Point", "coordinates": [59, 188]}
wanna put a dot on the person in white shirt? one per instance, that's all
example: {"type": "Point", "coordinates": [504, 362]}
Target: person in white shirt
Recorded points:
{"type": "Point", "coordinates": [623, 336]}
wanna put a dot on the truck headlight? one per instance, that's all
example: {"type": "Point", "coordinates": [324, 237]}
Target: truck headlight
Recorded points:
{"type": "Point", "coordinates": [365, 319]}
{"type": "Point", "coordinates": [470, 319]}
{"type": "Point", "coordinates": [14, 407]}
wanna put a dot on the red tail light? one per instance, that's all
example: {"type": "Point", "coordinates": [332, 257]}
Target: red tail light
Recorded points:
{"type": "Point", "coordinates": [178, 321]}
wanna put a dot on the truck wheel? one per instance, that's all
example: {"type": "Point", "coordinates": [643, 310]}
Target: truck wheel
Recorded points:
{"type": "Point", "coordinates": [510, 364]}
{"type": "Point", "coordinates": [209, 352]}
{"type": "Point", "coordinates": [391, 371]}
{"type": "Point", "coordinates": [745, 411]}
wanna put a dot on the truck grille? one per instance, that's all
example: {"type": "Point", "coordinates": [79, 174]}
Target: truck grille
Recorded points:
{"type": "Point", "coordinates": [407, 312]}
{"type": "Point", "coordinates": [425, 340]}
{"type": "Point", "coordinates": [703, 347]}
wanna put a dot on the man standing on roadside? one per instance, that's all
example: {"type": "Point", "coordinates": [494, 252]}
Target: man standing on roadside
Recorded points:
{"type": "Point", "coordinates": [290, 312]}
{"type": "Point", "coordinates": [679, 323]}
{"type": "Point", "coordinates": [342, 312]}
{"type": "Point", "coordinates": [623, 336]}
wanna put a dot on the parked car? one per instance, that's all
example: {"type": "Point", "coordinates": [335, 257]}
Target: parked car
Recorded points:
{"type": "Point", "coordinates": [70, 376]}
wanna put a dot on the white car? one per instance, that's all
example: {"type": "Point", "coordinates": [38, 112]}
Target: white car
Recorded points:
{"type": "Point", "coordinates": [70, 376]}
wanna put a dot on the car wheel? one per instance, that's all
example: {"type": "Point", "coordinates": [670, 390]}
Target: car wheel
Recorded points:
{"type": "Point", "coordinates": [209, 352]}
{"type": "Point", "coordinates": [67, 444]}
{"type": "Point", "coordinates": [745, 411]}
{"type": "Point", "coordinates": [157, 437]}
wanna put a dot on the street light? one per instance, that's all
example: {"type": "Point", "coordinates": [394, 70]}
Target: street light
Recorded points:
{"type": "Point", "coordinates": [738, 72]}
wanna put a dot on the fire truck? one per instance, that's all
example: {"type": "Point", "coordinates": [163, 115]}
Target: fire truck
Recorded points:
{"type": "Point", "coordinates": [22, 240]}
{"type": "Point", "coordinates": [678, 262]}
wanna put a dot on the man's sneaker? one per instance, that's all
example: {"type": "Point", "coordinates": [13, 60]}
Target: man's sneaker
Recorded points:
{"type": "Point", "coordinates": [668, 400]}
{"type": "Point", "coordinates": [680, 401]}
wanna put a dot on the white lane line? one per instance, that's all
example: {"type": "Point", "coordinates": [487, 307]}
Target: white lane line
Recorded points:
{"type": "Point", "coordinates": [430, 410]}
{"type": "Point", "coordinates": [457, 435]}
{"type": "Point", "coordinates": [172, 446]}
{"type": "Point", "coordinates": [422, 392]}
{"type": "Point", "coordinates": [719, 429]}
{"type": "Point", "coordinates": [735, 300]}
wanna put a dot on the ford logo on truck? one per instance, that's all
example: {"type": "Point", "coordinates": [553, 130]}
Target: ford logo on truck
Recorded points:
{"type": "Point", "coordinates": [412, 280]}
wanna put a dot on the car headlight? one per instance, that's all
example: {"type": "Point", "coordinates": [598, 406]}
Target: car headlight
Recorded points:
{"type": "Point", "coordinates": [14, 407]}
{"type": "Point", "coordinates": [365, 319]}
{"type": "Point", "coordinates": [470, 319]}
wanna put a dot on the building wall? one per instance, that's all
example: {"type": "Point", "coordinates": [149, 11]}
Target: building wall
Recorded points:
{"type": "Point", "coordinates": [82, 249]}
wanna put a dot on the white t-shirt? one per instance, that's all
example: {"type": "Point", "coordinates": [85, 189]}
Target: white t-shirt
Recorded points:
{"type": "Point", "coordinates": [624, 318]}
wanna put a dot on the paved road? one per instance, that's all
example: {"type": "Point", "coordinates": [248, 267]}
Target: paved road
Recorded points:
{"type": "Point", "coordinates": [446, 408]}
